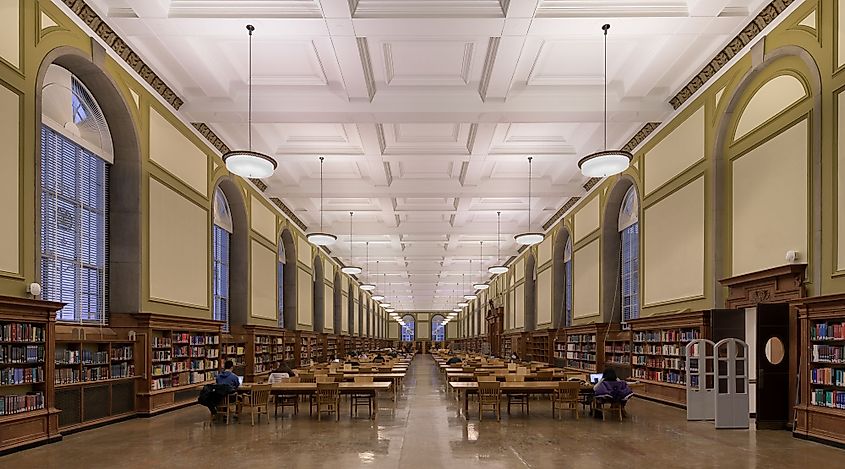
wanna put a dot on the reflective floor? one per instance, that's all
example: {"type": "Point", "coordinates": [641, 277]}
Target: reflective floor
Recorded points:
{"type": "Point", "coordinates": [425, 430]}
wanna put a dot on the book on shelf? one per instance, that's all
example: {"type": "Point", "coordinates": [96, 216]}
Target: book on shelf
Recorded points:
{"type": "Point", "coordinates": [15, 376]}
{"type": "Point", "coordinates": [828, 331]}
{"type": "Point", "coordinates": [828, 376]}
{"type": "Point", "coordinates": [16, 404]}
{"type": "Point", "coordinates": [21, 332]}
{"type": "Point", "coordinates": [828, 353]}
{"type": "Point", "coordinates": [828, 398]}
{"type": "Point", "coordinates": [14, 354]}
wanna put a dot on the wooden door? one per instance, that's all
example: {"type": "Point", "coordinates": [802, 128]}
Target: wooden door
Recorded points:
{"type": "Point", "coordinates": [772, 354]}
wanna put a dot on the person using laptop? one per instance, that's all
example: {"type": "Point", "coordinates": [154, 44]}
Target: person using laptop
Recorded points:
{"type": "Point", "coordinates": [612, 389]}
{"type": "Point", "coordinates": [228, 377]}
{"type": "Point", "coordinates": [282, 372]}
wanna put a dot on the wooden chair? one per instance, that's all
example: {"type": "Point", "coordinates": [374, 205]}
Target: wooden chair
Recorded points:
{"type": "Point", "coordinates": [511, 366]}
{"type": "Point", "coordinates": [257, 401]}
{"type": "Point", "coordinates": [544, 375]}
{"type": "Point", "coordinates": [606, 406]}
{"type": "Point", "coordinates": [227, 408]}
{"type": "Point", "coordinates": [489, 396]}
{"type": "Point", "coordinates": [468, 369]}
{"type": "Point", "coordinates": [358, 400]}
{"type": "Point", "coordinates": [485, 378]}
{"type": "Point", "coordinates": [566, 397]}
{"type": "Point", "coordinates": [328, 399]}
{"type": "Point", "coordinates": [517, 399]}
{"type": "Point", "coordinates": [287, 400]}
{"type": "Point", "coordinates": [521, 370]}
{"type": "Point", "coordinates": [308, 378]}
{"type": "Point", "coordinates": [324, 379]}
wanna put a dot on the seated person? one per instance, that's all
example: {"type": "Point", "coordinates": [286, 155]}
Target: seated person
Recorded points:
{"type": "Point", "coordinates": [378, 359]}
{"type": "Point", "coordinates": [453, 361]}
{"type": "Point", "coordinates": [228, 377]}
{"type": "Point", "coordinates": [612, 389]}
{"type": "Point", "coordinates": [514, 357]}
{"type": "Point", "coordinates": [281, 372]}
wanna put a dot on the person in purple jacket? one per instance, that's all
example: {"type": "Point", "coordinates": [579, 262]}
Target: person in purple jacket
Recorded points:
{"type": "Point", "coordinates": [612, 389]}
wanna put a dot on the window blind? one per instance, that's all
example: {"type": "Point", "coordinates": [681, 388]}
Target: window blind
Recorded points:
{"type": "Point", "coordinates": [630, 272]}
{"type": "Point", "coordinates": [220, 248]}
{"type": "Point", "coordinates": [74, 229]}
{"type": "Point", "coordinates": [280, 279]}
{"type": "Point", "coordinates": [567, 305]}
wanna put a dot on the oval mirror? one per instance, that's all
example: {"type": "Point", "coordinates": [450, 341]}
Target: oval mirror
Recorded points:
{"type": "Point", "coordinates": [774, 351]}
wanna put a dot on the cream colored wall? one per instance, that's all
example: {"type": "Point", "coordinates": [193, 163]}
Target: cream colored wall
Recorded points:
{"type": "Point", "coordinates": [679, 150]}
{"type": "Point", "coordinates": [585, 281]}
{"type": "Point", "coordinates": [544, 297]}
{"type": "Point", "coordinates": [10, 157]}
{"type": "Point", "coordinates": [262, 220]}
{"type": "Point", "coordinates": [772, 175]}
{"type": "Point", "coordinates": [774, 96]}
{"type": "Point", "coordinates": [10, 33]}
{"type": "Point", "coordinates": [393, 330]}
{"type": "Point", "coordinates": [840, 179]}
{"type": "Point", "coordinates": [263, 282]}
{"type": "Point", "coordinates": [544, 251]}
{"type": "Point", "coordinates": [586, 219]}
{"type": "Point", "coordinates": [304, 297]}
{"type": "Point", "coordinates": [303, 251]}
{"type": "Point", "coordinates": [176, 154]}
{"type": "Point", "coordinates": [673, 246]}
{"type": "Point", "coordinates": [519, 310]}
{"type": "Point", "coordinates": [328, 306]}
{"type": "Point", "coordinates": [178, 245]}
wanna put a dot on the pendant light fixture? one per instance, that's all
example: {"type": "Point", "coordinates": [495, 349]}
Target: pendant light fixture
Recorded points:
{"type": "Point", "coordinates": [321, 238]}
{"type": "Point", "coordinates": [456, 310]}
{"type": "Point", "coordinates": [606, 162]}
{"type": "Point", "coordinates": [390, 310]}
{"type": "Point", "coordinates": [498, 268]}
{"type": "Point", "coordinates": [249, 163]}
{"type": "Point", "coordinates": [470, 296]}
{"type": "Point", "coordinates": [368, 286]}
{"type": "Point", "coordinates": [350, 269]}
{"type": "Point", "coordinates": [481, 285]}
{"type": "Point", "coordinates": [377, 297]}
{"type": "Point", "coordinates": [529, 237]}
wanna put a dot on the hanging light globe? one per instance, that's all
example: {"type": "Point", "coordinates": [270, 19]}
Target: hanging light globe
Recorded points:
{"type": "Point", "coordinates": [605, 163]}
{"type": "Point", "coordinates": [529, 239]}
{"type": "Point", "coordinates": [367, 287]}
{"type": "Point", "coordinates": [497, 269]}
{"type": "Point", "coordinates": [378, 297]}
{"type": "Point", "coordinates": [457, 310]}
{"type": "Point", "coordinates": [462, 304]}
{"type": "Point", "coordinates": [351, 270]}
{"type": "Point", "coordinates": [471, 296]}
{"type": "Point", "coordinates": [321, 239]}
{"type": "Point", "coordinates": [480, 286]}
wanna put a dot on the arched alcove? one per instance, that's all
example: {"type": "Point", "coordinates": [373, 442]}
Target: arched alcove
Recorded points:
{"type": "Point", "coordinates": [562, 278]}
{"type": "Point", "coordinates": [438, 329]}
{"type": "Point", "coordinates": [350, 308]}
{"type": "Point", "coordinates": [122, 280]}
{"type": "Point", "coordinates": [360, 312]}
{"type": "Point", "coordinates": [337, 312]}
{"type": "Point", "coordinates": [287, 280]}
{"type": "Point", "coordinates": [530, 293]}
{"type": "Point", "coordinates": [409, 332]}
{"type": "Point", "coordinates": [611, 251]}
{"type": "Point", "coordinates": [318, 306]}
{"type": "Point", "coordinates": [238, 269]}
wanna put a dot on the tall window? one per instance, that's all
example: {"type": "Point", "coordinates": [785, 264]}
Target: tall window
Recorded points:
{"type": "Point", "coordinates": [221, 233]}
{"type": "Point", "coordinates": [567, 283]}
{"type": "Point", "coordinates": [280, 284]}
{"type": "Point", "coordinates": [408, 328]}
{"type": "Point", "coordinates": [75, 148]}
{"type": "Point", "coordinates": [438, 329]}
{"type": "Point", "coordinates": [629, 230]}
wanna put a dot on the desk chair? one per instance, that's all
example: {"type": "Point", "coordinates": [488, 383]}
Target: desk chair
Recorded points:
{"type": "Point", "coordinates": [227, 407]}
{"type": "Point", "coordinates": [257, 401]}
{"type": "Point", "coordinates": [605, 405]}
{"type": "Point", "coordinates": [485, 378]}
{"type": "Point", "coordinates": [517, 399]}
{"type": "Point", "coordinates": [511, 367]}
{"type": "Point", "coordinates": [521, 370]}
{"type": "Point", "coordinates": [327, 399]}
{"type": "Point", "coordinates": [359, 400]}
{"type": "Point", "coordinates": [566, 397]}
{"type": "Point", "coordinates": [489, 395]}
{"type": "Point", "coordinates": [287, 400]}
{"type": "Point", "coordinates": [324, 379]}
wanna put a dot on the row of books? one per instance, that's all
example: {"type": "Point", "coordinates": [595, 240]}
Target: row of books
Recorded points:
{"type": "Point", "coordinates": [673, 350]}
{"type": "Point", "coordinates": [829, 376]}
{"type": "Point", "coordinates": [581, 338]}
{"type": "Point", "coordinates": [621, 359]}
{"type": "Point", "coordinates": [580, 356]}
{"type": "Point", "coordinates": [617, 348]}
{"type": "Point", "coordinates": [581, 364]}
{"type": "Point", "coordinates": [121, 353]}
{"type": "Point", "coordinates": [21, 353]}
{"type": "Point", "coordinates": [91, 357]}
{"type": "Point", "coordinates": [672, 363]}
{"type": "Point", "coordinates": [828, 331]}
{"type": "Point", "coordinates": [667, 335]}
{"type": "Point", "coordinates": [591, 347]}
{"type": "Point", "coordinates": [664, 376]}
{"type": "Point", "coordinates": [160, 342]}
{"type": "Point", "coordinates": [161, 355]}
{"type": "Point", "coordinates": [827, 398]}
{"type": "Point", "coordinates": [263, 339]}
{"type": "Point", "coordinates": [21, 375]}
{"type": "Point", "coordinates": [193, 377]}
{"type": "Point", "coordinates": [190, 351]}
{"type": "Point", "coordinates": [95, 374]}
{"type": "Point", "coordinates": [829, 353]}
{"type": "Point", "coordinates": [161, 370]}
{"type": "Point", "coordinates": [21, 332]}
{"type": "Point", "coordinates": [195, 365]}
{"type": "Point", "coordinates": [16, 404]}
{"type": "Point", "coordinates": [233, 349]}
{"type": "Point", "coordinates": [187, 338]}
{"type": "Point", "coordinates": [122, 370]}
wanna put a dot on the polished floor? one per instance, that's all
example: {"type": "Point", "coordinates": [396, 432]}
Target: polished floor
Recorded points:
{"type": "Point", "coordinates": [425, 429]}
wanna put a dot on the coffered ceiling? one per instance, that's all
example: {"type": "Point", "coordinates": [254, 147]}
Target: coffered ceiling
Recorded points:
{"type": "Point", "coordinates": [426, 110]}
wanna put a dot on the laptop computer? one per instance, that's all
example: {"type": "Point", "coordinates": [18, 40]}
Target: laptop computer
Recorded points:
{"type": "Point", "coordinates": [240, 380]}
{"type": "Point", "coordinates": [595, 378]}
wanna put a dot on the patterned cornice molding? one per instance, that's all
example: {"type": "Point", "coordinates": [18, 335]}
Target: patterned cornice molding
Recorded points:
{"type": "Point", "coordinates": [569, 204]}
{"type": "Point", "coordinates": [259, 184]}
{"type": "Point", "coordinates": [640, 136]}
{"type": "Point", "coordinates": [287, 211]}
{"type": "Point", "coordinates": [212, 137]}
{"type": "Point", "coordinates": [107, 34]}
{"type": "Point", "coordinates": [769, 13]}
{"type": "Point", "coordinates": [591, 183]}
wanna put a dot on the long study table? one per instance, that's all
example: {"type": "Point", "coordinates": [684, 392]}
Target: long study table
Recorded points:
{"type": "Point", "coordinates": [525, 387]}
{"type": "Point", "coordinates": [311, 388]}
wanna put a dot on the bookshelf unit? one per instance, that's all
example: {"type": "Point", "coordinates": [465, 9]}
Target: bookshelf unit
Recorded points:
{"type": "Point", "coordinates": [328, 347]}
{"type": "Point", "coordinates": [233, 347]}
{"type": "Point", "coordinates": [820, 412]}
{"type": "Point", "coordinates": [658, 354]}
{"type": "Point", "coordinates": [94, 376]}
{"type": "Point", "coordinates": [512, 343]}
{"type": "Point", "coordinates": [307, 347]}
{"type": "Point", "coordinates": [27, 335]}
{"type": "Point", "coordinates": [539, 345]}
{"type": "Point", "coordinates": [617, 352]}
{"type": "Point", "coordinates": [582, 347]}
{"type": "Point", "coordinates": [267, 348]}
{"type": "Point", "coordinates": [176, 355]}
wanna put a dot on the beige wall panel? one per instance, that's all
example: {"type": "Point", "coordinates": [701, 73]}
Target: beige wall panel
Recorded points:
{"type": "Point", "coordinates": [544, 251]}
{"type": "Point", "coordinates": [840, 177]}
{"type": "Point", "coordinates": [585, 281]}
{"type": "Point", "coordinates": [328, 308]}
{"type": "Point", "coordinates": [774, 96]}
{"type": "Point", "coordinates": [263, 282]}
{"type": "Point", "coordinates": [587, 219]}
{"type": "Point", "coordinates": [518, 269]}
{"type": "Point", "coordinates": [673, 237]}
{"type": "Point", "coordinates": [423, 330]}
{"type": "Point", "coordinates": [9, 176]}
{"type": "Point", "coordinates": [423, 316]}
{"type": "Point", "coordinates": [263, 221]}
{"type": "Point", "coordinates": [174, 152]}
{"type": "Point", "coordinates": [10, 19]}
{"type": "Point", "coordinates": [512, 311]}
{"type": "Point", "coordinates": [679, 150]}
{"type": "Point", "coordinates": [178, 248]}
{"type": "Point", "coordinates": [840, 34]}
{"type": "Point", "coordinates": [393, 330]}
{"type": "Point", "coordinates": [355, 309]}
{"type": "Point", "coordinates": [544, 297]}
{"type": "Point", "coordinates": [304, 297]}
{"type": "Point", "coordinates": [344, 315]}
{"type": "Point", "coordinates": [519, 316]}
{"type": "Point", "coordinates": [303, 251]}
{"type": "Point", "coordinates": [770, 202]}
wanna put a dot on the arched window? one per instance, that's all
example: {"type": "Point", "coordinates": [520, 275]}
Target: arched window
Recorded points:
{"type": "Point", "coordinates": [76, 153]}
{"type": "Point", "coordinates": [408, 330]}
{"type": "Point", "coordinates": [221, 233]}
{"type": "Point", "coordinates": [280, 284]}
{"type": "Point", "coordinates": [567, 285]}
{"type": "Point", "coordinates": [438, 329]}
{"type": "Point", "coordinates": [629, 230]}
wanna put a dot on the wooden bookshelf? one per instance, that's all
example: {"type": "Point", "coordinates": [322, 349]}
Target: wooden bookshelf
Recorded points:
{"type": "Point", "coordinates": [94, 376]}
{"type": "Point", "coordinates": [28, 415]}
{"type": "Point", "coordinates": [307, 347]}
{"type": "Point", "coordinates": [658, 354]}
{"type": "Point", "coordinates": [582, 347]}
{"type": "Point", "coordinates": [233, 347]}
{"type": "Point", "coordinates": [176, 355]}
{"type": "Point", "coordinates": [265, 349]}
{"type": "Point", "coordinates": [539, 345]}
{"type": "Point", "coordinates": [617, 352]}
{"type": "Point", "coordinates": [512, 343]}
{"type": "Point", "coordinates": [820, 412]}
{"type": "Point", "coordinates": [328, 347]}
